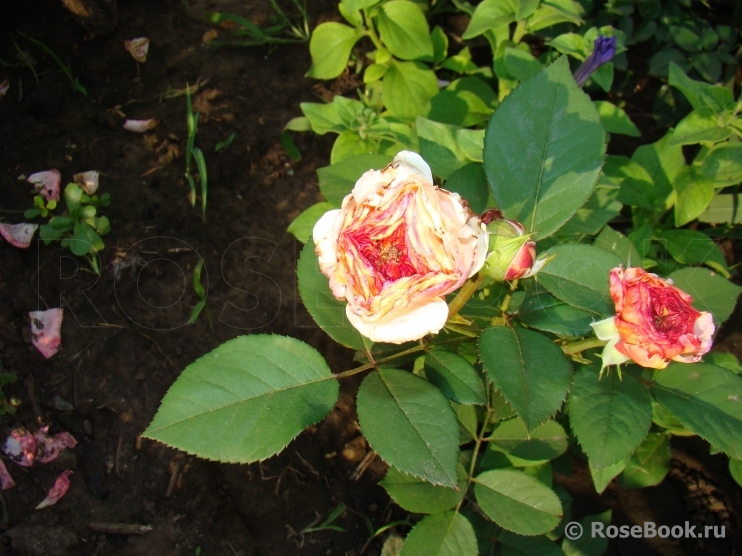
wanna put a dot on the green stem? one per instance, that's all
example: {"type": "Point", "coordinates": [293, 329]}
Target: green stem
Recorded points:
{"type": "Point", "coordinates": [473, 464]}
{"type": "Point", "coordinates": [581, 345]}
{"type": "Point", "coordinates": [374, 364]}
{"type": "Point", "coordinates": [466, 291]}
{"type": "Point", "coordinates": [506, 301]}
{"type": "Point", "coordinates": [520, 31]}
{"type": "Point", "coordinates": [370, 31]}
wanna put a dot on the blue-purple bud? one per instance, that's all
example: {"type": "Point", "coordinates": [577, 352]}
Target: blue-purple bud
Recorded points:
{"type": "Point", "coordinates": [603, 51]}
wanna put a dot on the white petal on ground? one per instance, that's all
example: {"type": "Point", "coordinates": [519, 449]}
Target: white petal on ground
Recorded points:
{"type": "Point", "coordinates": [18, 235]}
{"type": "Point", "coordinates": [57, 491]}
{"type": "Point", "coordinates": [46, 329]}
{"type": "Point", "coordinates": [138, 48]}
{"type": "Point", "coordinates": [87, 180]}
{"type": "Point", "coordinates": [48, 447]}
{"type": "Point", "coordinates": [4, 86]}
{"type": "Point", "coordinates": [409, 326]}
{"type": "Point", "coordinates": [6, 481]}
{"type": "Point", "coordinates": [46, 183]}
{"type": "Point", "coordinates": [20, 447]}
{"type": "Point", "coordinates": [139, 126]}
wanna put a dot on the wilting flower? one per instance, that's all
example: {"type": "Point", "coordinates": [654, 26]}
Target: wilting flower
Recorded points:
{"type": "Point", "coordinates": [603, 51]}
{"type": "Point", "coordinates": [654, 323]}
{"type": "Point", "coordinates": [512, 252]}
{"type": "Point", "coordinates": [396, 247]}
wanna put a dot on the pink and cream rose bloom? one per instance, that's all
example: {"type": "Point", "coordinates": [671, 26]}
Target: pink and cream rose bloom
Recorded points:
{"type": "Point", "coordinates": [397, 246]}
{"type": "Point", "coordinates": [654, 322]}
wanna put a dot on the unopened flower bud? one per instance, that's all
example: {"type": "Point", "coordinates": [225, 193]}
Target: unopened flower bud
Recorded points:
{"type": "Point", "coordinates": [512, 253]}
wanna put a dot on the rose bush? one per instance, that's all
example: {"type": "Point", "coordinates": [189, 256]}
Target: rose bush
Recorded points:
{"type": "Point", "coordinates": [397, 246]}
{"type": "Point", "coordinates": [654, 323]}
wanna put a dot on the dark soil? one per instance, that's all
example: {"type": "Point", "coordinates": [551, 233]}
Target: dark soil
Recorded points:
{"type": "Point", "coordinates": [125, 338]}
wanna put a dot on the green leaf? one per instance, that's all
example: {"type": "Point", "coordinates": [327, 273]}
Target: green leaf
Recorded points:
{"type": "Point", "coordinates": [330, 48]}
{"type": "Point", "coordinates": [328, 312]}
{"type": "Point", "coordinates": [710, 292]}
{"type": "Point", "coordinates": [694, 194]}
{"type": "Point", "coordinates": [462, 108]}
{"type": "Point", "coordinates": [323, 117]}
{"type": "Point", "coordinates": [662, 161]}
{"type": "Point", "coordinates": [455, 377]}
{"type": "Point", "coordinates": [470, 182]}
{"type": "Point", "coordinates": [636, 187]}
{"type": "Point", "coordinates": [735, 470]}
{"type": "Point", "coordinates": [521, 64]}
{"type": "Point", "coordinates": [410, 424]}
{"type": "Point", "coordinates": [579, 276]}
{"type": "Point", "coordinates": [303, 224]}
{"type": "Point", "coordinates": [518, 545]}
{"type": "Point", "coordinates": [526, 8]}
{"type": "Point", "coordinates": [490, 14]}
{"type": "Point", "coordinates": [706, 399]}
{"type": "Point", "coordinates": [723, 164]}
{"type": "Point", "coordinates": [349, 144]}
{"type": "Point", "coordinates": [615, 120]}
{"type": "Point", "coordinates": [692, 90]}
{"type": "Point", "coordinates": [245, 400]}
{"type": "Point", "coordinates": [618, 244]}
{"type": "Point", "coordinates": [554, 12]}
{"type": "Point", "coordinates": [338, 180]}
{"type": "Point", "coordinates": [546, 442]}
{"type": "Point", "coordinates": [724, 359]}
{"type": "Point", "coordinates": [547, 313]}
{"type": "Point", "coordinates": [404, 30]}
{"type": "Point", "coordinates": [649, 464]}
{"type": "Point", "coordinates": [85, 240]}
{"type": "Point", "coordinates": [690, 247]}
{"type": "Point", "coordinates": [374, 72]}
{"type": "Point", "coordinates": [407, 89]}
{"type": "Point", "coordinates": [700, 125]}
{"type": "Point", "coordinates": [446, 147]}
{"type": "Point", "coordinates": [602, 477]}
{"type": "Point", "coordinates": [440, 44]}
{"type": "Point", "coordinates": [600, 208]}
{"type": "Point", "coordinates": [531, 372]}
{"type": "Point", "coordinates": [723, 209]}
{"type": "Point", "coordinates": [609, 416]}
{"type": "Point", "coordinates": [586, 544]}
{"type": "Point", "coordinates": [415, 495]}
{"type": "Point", "coordinates": [545, 137]}
{"type": "Point", "coordinates": [446, 534]}
{"type": "Point", "coordinates": [571, 44]}
{"type": "Point", "coordinates": [517, 502]}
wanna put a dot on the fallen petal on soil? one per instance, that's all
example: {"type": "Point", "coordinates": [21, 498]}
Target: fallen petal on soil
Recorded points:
{"type": "Point", "coordinates": [46, 329]}
{"type": "Point", "coordinates": [20, 447]}
{"type": "Point", "coordinates": [57, 491]}
{"type": "Point", "coordinates": [88, 181]}
{"type": "Point", "coordinates": [139, 126]}
{"type": "Point", "coordinates": [18, 235]}
{"type": "Point", "coordinates": [47, 183]}
{"type": "Point", "coordinates": [6, 481]}
{"type": "Point", "coordinates": [49, 447]}
{"type": "Point", "coordinates": [4, 86]}
{"type": "Point", "coordinates": [138, 48]}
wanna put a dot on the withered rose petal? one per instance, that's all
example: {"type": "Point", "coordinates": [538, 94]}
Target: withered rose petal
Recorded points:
{"type": "Point", "coordinates": [20, 447]}
{"type": "Point", "coordinates": [18, 235]}
{"type": "Point", "coordinates": [6, 481]}
{"type": "Point", "coordinates": [138, 48]}
{"type": "Point", "coordinates": [61, 485]}
{"type": "Point", "coordinates": [46, 330]}
{"type": "Point", "coordinates": [46, 183]}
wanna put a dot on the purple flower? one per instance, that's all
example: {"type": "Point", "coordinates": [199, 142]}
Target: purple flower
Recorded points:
{"type": "Point", "coordinates": [603, 51]}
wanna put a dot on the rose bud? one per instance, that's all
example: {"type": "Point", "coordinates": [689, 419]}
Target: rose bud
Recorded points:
{"type": "Point", "coordinates": [512, 252]}
{"type": "Point", "coordinates": [397, 246]}
{"type": "Point", "coordinates": [654, 323]}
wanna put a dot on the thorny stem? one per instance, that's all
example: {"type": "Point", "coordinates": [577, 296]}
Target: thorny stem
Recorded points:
{"type": "Point", "coordinates": [376, 363]}
{"type": "Point", "coordinates": [581, 345]}
{"type": "Point", "coordinates": [472, 465]}
{"type": "Point", "coordinates": [466, 291]}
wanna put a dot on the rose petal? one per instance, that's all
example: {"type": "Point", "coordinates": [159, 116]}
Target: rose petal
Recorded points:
{"type": "Point", "coordinates": [20, 447]}
{"type": "Point", "coordinates": [6, 481]}
{"type": "Point", "coordinates": [4, 86]}
{"type": "Point", "coordinates": [138, 48]}
{"type": "Point", "coordinates": [415, 163]}
{"type": "Point", "coordinates": [140, 126]}
{"type": "Point", "coordinates": [18, 235]}
{"type": "Point", "coordinates": [405, 327]}
{"type": "Point", "coordinates": [57, 491]}
{"type": "Point", "coordinates": [46, 329]}
{"type": "Point", "coordinates": [47, 183]}
{"type": "Point", "coordinates": [88, 181]}
{"type": "Point", "coordinates": [49, 447]}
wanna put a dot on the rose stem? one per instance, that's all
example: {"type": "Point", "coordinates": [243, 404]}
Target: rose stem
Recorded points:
{"type": "Point", "coordinates": [466, 291]}
{"type": "Point", "coordinates": [581, 345]}
{"type": "Point", "coordinates": [480, 438]}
